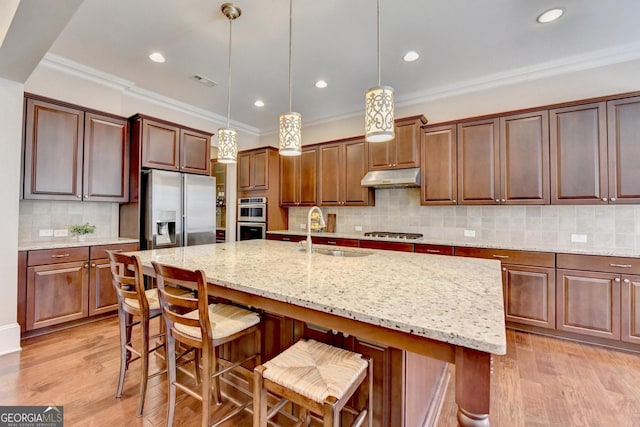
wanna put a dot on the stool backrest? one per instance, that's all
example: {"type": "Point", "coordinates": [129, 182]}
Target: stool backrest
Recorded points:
{"type": "Point", "coordinates": [126, 275]}
{"type": "Point", "coordinates": [175, 307]}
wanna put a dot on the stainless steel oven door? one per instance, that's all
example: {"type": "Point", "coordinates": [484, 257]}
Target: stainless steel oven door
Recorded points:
{"type": "Point", "coordinates": [252, 230]}
{"type": "Point", "coordinates": [254, 212]}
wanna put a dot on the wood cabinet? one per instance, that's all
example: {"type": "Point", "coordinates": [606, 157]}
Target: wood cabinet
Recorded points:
{"type": "Point", "coordinates": [341, 167]}
{"type": "Point", "coordinates": [438, 167]}
{"type": "Point", "coordinates": [169, 146]}
{"type": "Point", "coordinates": [390, 246]}
{"type": "Point", "coordinates": [401, 152]}
{"type": "Point", "coordinates": [352, 243]}
{"type": "Point", "coordinates": [22, 290]}
{"type": "Point", "coordinates": [425, 248]}
{"type": "Point", "coordinates": [253, 170]}
{"type": "Point", "coordinates": [578, 151]}
{"type": "Point", "coordinates": [285, 237]}
{"type": "Point", "coordinates": [73, 154]}
{"type": "Point", "coordinates": [67, 284]}
{"type": "Point", "coordinates": [298, 178]}
{"type": "Point", "coordinates": [528, 279]}
{"type": "Point", "coordinates": [504, 160]}
{"type": "Point", "coordinates": [623, 144]}
{"type": "Point", "coordinates": [630, 309]}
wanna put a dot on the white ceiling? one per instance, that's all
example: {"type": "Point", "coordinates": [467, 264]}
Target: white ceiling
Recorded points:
{"type": "Point", "coordinates": [462, 43]}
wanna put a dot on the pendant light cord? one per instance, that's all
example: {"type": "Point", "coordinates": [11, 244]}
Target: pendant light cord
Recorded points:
{"type": "Point", "coordinates": [378, 16]}
{"type": "Point", "coordinates": [229, 77]}
{"type": "Point", "coordinates": [290, 32]}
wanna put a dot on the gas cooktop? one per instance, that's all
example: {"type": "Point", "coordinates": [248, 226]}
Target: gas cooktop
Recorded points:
{"type": "Point", "coordinates": [393, 235]}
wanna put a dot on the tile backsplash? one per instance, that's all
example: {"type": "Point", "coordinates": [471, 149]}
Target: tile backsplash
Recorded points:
{"type": "Point", "coordinates": [36, 215]}
{"type": "Point", "coordinates": [398, 209]}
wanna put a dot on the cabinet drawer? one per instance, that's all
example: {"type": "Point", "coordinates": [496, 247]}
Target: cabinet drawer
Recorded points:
{"type": "Point", "coordinates": [55, 256]}
{"type": "Point", "coordinates": [391, 246]}
{"type": "Point", "coordinates": [285, 237]}
{"type": "Point", "coordinates": [99, 252]}
{"type": "Point", "coordinates": [433, 249]}
{"type": "Point", "coordinates": [352, 243]}
{"type": "Point", "coordinates": [537, 259]}
{"type": "Point", "coordinates": [599, 263]}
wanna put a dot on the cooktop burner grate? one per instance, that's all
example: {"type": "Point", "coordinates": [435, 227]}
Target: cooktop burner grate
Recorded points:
{"type": "Point", "coordinates": [393, 235]}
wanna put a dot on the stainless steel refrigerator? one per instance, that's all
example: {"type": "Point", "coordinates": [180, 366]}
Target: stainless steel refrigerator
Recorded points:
{"type": "Point", "coordinates": [179, 209]}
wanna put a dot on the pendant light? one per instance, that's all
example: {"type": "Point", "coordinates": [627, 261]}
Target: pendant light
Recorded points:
{"type": "Point", "coordinates": [227, 137]}
{"type": "Point", "coordinates": [290, 123]}
{"type": "Point", "coordinates": [379, 115]}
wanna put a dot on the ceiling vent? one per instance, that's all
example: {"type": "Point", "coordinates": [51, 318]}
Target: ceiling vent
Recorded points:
{"type": "Point", "coordinates": [204, 80]}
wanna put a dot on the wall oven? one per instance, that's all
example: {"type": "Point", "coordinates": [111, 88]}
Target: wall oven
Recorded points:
{"type": "Point", "coordinates": [252, 218]}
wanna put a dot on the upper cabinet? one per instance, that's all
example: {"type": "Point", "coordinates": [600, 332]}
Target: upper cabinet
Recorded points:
{"type": "Point", "coordinates": [478, 158]}
{"type": "Point", "coordinates": [73, 154]}
{"type": "Point", "coordinates": [438, 172]}
{"type": "Point", "coordinates": [401, 152]}
{"type": "Point", "coordinates": [171, 147]}
{"type": "Point", "coordinates": [253, 169]}
{"type": "Point", "coordinates": [579, 154]}
{"type": "Point", "coordinates": [298, 178]}
{"type": "Point", "coordinates": [623, 117]}
{"type": "Point", "coordinates": [341, 168]}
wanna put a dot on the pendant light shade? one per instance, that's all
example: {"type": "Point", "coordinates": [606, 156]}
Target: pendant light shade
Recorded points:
{"type": "Point", "coordinates": [290, 123]}
{"type": "Point", "coordinates": [379, 106]}
{"type": "Point", "coordinates": [227, 137]}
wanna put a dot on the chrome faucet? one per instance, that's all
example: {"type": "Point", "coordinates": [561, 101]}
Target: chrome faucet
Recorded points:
{"type": "Point", "coordinates": [322, 224]}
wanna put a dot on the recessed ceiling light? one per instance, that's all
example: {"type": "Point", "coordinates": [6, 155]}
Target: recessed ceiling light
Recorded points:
{"type": "Point", "coordinates": [259, 103]}
{"type": "Point", "coordinates": [321, 84]}
{"type": "Point", "coordinates": [157, 57]}
{"type": "Point", "coordinates": [411, 56]}
{"type": "Point", "coordinates": [550, 15]}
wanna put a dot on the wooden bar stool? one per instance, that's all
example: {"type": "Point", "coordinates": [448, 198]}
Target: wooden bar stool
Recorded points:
{"type": "Point", "coordinates": [196, 323]}
{"type": "Point", "coordinates": [136, 307]}
{"type": "Point", "coordinates": [319, 378]}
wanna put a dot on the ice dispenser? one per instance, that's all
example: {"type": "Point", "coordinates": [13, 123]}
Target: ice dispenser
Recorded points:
{"type": "Point", "coordinates": [165, 232]}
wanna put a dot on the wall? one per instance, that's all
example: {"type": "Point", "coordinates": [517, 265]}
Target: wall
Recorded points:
{"type": "Point", "coordinates": [10, 150]}
{"type": "Point", "coordinates": [530, 226]}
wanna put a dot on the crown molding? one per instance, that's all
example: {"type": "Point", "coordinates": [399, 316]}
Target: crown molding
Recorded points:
{"type": "Point", "coordinates": [129, 88]}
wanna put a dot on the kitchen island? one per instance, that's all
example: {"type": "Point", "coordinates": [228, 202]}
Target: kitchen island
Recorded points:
{"type": "Point", "coordinates": [446, 308]}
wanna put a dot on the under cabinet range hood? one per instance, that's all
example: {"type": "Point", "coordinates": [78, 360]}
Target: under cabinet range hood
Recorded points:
{"type": "Point", "coordinates": [392, 178]}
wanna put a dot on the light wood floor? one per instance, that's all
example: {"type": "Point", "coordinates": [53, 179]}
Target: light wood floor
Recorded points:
{"type": "Point", "coordinates": [540, 382]}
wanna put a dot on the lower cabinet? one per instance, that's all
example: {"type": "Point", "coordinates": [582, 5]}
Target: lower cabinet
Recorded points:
{"type": "Point", "coordinates": [63, 285]}
{"type": "Point", "coordinates": [630, 309]}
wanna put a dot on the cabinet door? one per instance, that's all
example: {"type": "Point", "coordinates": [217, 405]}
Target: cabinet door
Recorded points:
{"type": "Point", "coordinates": [529, 295]}
{"type": "Point", "coordinates": [630, 314]}
{"type": "Point", "coordinates": [245, 181]}
{"type": "Point", "coordinates": [106, 159]}
{"type": "Point", "coordinates": [331, 173]}
{"type": "Point", "coordinates": [354, 168]}
{"type": "Point", "coordinates": [588, 303]}
{"type": "Point", "coordinates": [260, 170]}
{"type": "Point", "coordinates": [381, 155]}
{"type": "Point", "coordinates": [289, 175]}
{"type": "Point", "coordinates": [478, 158]}
{"type": "Point", "coordinates": [160, 145]}
{"type": "Point", "coordinates": [22, 290]}
{"type": "Point", "coordinates": [407, 145]}
{"type": "Point", "coordinates": [578, 152]}
{"type": "Point", "coordinates": [524, 158]}
{"type": "Point", "coordinates": [53, 151]}
{"type": "Point", "coordinates": [56, 294]}
{"type": "Point", "coordinates": [307, 178]}
{"type": "Point", "coordinates": [624, 150]}
{"type": "Point", "coordinates": [195, 152]}
{"type": "Point", "coordinates": [102, 296]}
{"type": "Point", "coordinates": [439, 177]}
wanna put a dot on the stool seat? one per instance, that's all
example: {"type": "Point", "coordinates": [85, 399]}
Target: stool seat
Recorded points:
{"type": "Point", "coordinates": [316, 370]}
{"type": "Point", "coordinates": [152, 299]}
{"type": "Point", "coordinates": [225, 321]}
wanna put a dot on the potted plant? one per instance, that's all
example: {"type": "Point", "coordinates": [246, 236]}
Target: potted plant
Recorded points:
{"type": "Point", "coordinates": [81, 230]}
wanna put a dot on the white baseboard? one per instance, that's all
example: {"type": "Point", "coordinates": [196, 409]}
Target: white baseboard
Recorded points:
{"type": "Point", "coordinates": [9, 338]}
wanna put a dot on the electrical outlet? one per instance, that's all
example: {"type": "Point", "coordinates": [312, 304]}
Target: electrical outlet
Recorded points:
{"type": "Point", "coordinates": [579, 238]}
{"type": "Point", "coordinates": [469, 233]}
{"type": "Point", "coordinates": [45, 232]}
{"type": "Point", "coordinates": [60, 232]}
{"type": "Point", "coordinates": [303, 226]}
{"type": "Point", "coordinates": [358, 228]}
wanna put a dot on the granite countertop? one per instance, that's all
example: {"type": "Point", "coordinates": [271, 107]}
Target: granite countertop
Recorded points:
{"type": "Point", "coordinates": [632, 253]}
{"type": "Point", "coordinates": [450, 299]}
{"type": "Point", "coordinates": [71, 242]}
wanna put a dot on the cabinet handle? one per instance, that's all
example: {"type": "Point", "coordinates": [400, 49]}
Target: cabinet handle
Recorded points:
{"type": "Point", "coordinates": [500, 256]}
{"type": "Point", "coordinates": [433, 251]}
{"type": "Point", "coordinates": [286, 239]}
{"type": "Point", "coordinates": [332, 242]}
{"type": "Point", "coordinates": [497, 200]}
{"type": "Point", "coordinates": [627, 281]}
{"type": "Point", "coordinates": [504, 268]}
{"type": "Point", "coordinates": [93, 265]}
{"type": "Point", "coordinates": [60, 256]}
{"type": "Point", "coordinates": [503, 200]}
{"type": "Point", "coordinates": [454, 201]}
{"type": "Point", "coordinates": [79, 196]}
{"type": "Point", "coordinates": [621, 265]}
{"type": "Point", "coordinates": [86, 266]}
{"type": "Point", "coordinates": [604, 199]}
{"type": "Point", "coordinates": [617, 279]}
{"type": "Point", "coordinates": [613, 199]}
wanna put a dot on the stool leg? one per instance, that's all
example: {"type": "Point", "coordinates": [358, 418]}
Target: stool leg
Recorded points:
{"type": "Point", "coordinates": [171, 377]}
{"type": "Point", "coordinates": [123, 351]}
{"type": "Point", "coordinates": [370, 397]}
{"type": "Point", "coordinates": [144, 369]}
{"type": "Point", "coordinates": [259, 398]}
{"type": "Point", "coordinates": [206, 386]}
